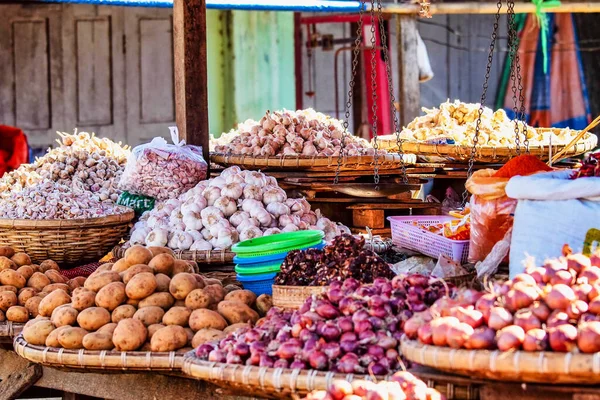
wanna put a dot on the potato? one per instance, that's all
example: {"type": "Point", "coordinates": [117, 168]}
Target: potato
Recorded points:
{"type": "Point", "coordinates": [212, 281]}
{"type": "Point", "coordinates": [138, 255]}
{"type": "Point", "coordinates": [6, 251]}
{"type": "Point", "coordinates": [55, 276]}
{"type": "Point", "coordinates": [134, 270]}
{"type": "Point", "coordinates": [25, 294]}
{"type": "Point", "coordinates": [53, 300]}
{"type": "Point", "coordinates": [216, 292]}
{"type": "Point", "coordinates": [149, 315]}
{"type": "Point", "coordinates": [153, 328]}
{"type": "Point", "coordinates": [37, 332]}
{"type": "Point", "coordinates": [231, 288]}
{"type": "Point", "coordinates": [203, 318]}
{"type": "Point", "coordinates": [198, 298]}
{"type": "Point", "coordinates": [7, 300]}
{"type": "Point", "coordinates": [132, 302]}
{"type": "Point", "coordinates": [177, 316]}
{"type": "Point", "coordinates": [72, 337]}
{"type": "Point", "coordinates": [17, 314]}
{"type": "Point", "coordinates": [121, 265]}
{"type": "Point", "coordinates": [182, 284]}
{"type": "Point", "coordinates": [9, 288]}
{"type": "Point", "coordinates": [163, 300]}
{"type": "Point", "coordinates": [38, 281]}
{"type": "Point", "coordinates": [52, 339]}
{"type": "Point", "coordinates": [194, 266]}
{"type": "Point", "coordinates": [98, 341]}
{"type": "Point", "coordinates": [83, 298]}
{"type": "Point", "coordinates": [190, 335]}
{"type": "Point", "coordinates": [122, 312]}
{"type": "Point", "coordinates": [56, 286]}
{"type": "Point", "coordinates": [235, 327]}
{"type": "Point", "coordinates": [2, 316]}
{"type": "Point", "coordinates": [32, 305]}
{"type": "Point", "coordinates": [130, 334]}
{"type": "Point", "coordinates": [264, 303]}
{"type": "Point", "coordinates": [76, 282]}
{"type": "Point", "coordinates": [243, 296]}
{"type": "Point", "coordinates": [48, 265]}
{"type": "Point", "coordinates": [162, 282]}
{"type": "Point", "coordinates": [108, 328]}
{"type": "Point", "coordinates": [170, 338]}
{"type": "Point", "coordinates": [97, 282]}
{"type": "Point", "coordinates": [64, 315]}
{"type": "Point", "coordinates": [36, 268]}
{"type": "Point", "coordinates": [12, 278]}
{"type": "Point", "coordinates": [160, 250]}
{"type": "Point", "coordinates": [182, 266]}
{"type": "Point", "coordinates": [111, 296]}
{"type": "Point", "coordinates": [93, 318]}
{"type": "Point", "coordinates": [207, 335]}
{"type": "Point", "coordinates": [200, 280]}
{"type": "Point", "coordinates": [21, 259]}
{"type": "Point", "coordinates": [140, 286]}
{"type": "Point", "coordinates": [162, 264]}
{"type": "Point", "coordinates": [235, 312]}
{"type": "Point", "coordinates": [26, 271]}
{"type": "Point", "coordinates": [34, 320]}
{"type": "Point", "coordinates": [7, 263]}
{"type": "Point", "coordinates": [105, 267]}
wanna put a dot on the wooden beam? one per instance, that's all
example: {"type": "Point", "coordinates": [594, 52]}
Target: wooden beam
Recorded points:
{"type": "Point", "coordinates": [409, 97]}
{"type": "Point", "coordinates": [191, 89]}
{"type": "Point", "coordinates": [19, 381]}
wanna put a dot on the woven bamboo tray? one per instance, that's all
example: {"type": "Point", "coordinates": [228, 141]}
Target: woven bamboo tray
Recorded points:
{"type": "Point", "coordinates": [384, 162]}
{"type": "Point", "coordinates": [9, 329]}
{"type": "Point", "coordinates": [98, 360]}
{"type": "Point", "coordinates": [517, 366]}
{"type": "Point", "coordinates": [67, 242]}
{"type": "Point", "coordinates": [487, 154]}
{"type": "Point", "coordinates": [200, 256]}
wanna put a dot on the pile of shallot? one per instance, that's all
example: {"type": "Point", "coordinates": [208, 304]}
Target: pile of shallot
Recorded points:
{"type": "Point", "coordinates": [351, 328]}
{"type": "Point", "coordinates": [402, 385]}
{"type": "Point", "coordinates": [553, 307]}
{"type": "Point", "coordinates": [233, 207]}
{"type": "Point", "coordinates": [292, 133]}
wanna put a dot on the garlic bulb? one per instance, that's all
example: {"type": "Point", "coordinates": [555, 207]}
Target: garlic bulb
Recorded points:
{"type": "Point", "coordinates": [174, 203]}
{"type": "Point", "coordinates": [184, 240]}
{"type": "Point", "coordinates": [139, 235]}
{"type": "Point", "coordinates": [176, 216]}
{"type": "Point", "coordinates": [232, 190]}
{"type": "Point", "coordinates": [298, 206]}
{"type": "Point", "coordinates": [195, 203]}
{"type": "Point", "coordinates": [249, 205]}
{"type": "Point", "coordinates": [226, 239]}
{"type": "Point", "coordinates": [206, 234]}
{"type": "Point", "coordinates": [286, 220]}
{"type": "Point", "coordinates": [231, 171]}
{"type": "Point", "coordinates": [271, 231]}
{"type": "Point", "coordinates": [211, 194]}
{"type": "Point", "coordinates": [173, 239]}
{"type": "Point", "coordinates": [196, 235]}
{"type": "Point", "coordinates": [139, 225]}
{"type": "Point", "coordinates": [250, 233]}
{"type": "Point", "coordinates": [247, 223]}
{"type": "Point", "coordinates": [201, 245]}
{"type": "Point", "coordinates": [302, 226]}
{"type": "Point", "coordinates": [219, 226]}
{"type": "Point", "coordinates": [235, 179]}
{"type": "Point", "coordinates": [310, 218]}
{"type": "Point", "coordinates": [290, 228]}
{"type": "Point", "coordinates": [238, 217]}
{"type": "Point", "coordinates": [274, 195]}
{"type": "Point", "coordinates": [218, 181]}
{"type": "Point", "coordinates": [211, 215]}
{"type": "Point", "coordinates": [256, 178]}
{"type": "Point", "coordinates": [343, 229]}
{"type": "Point", "coordinates": [271, 181]}
{"type": "Point", "coordinates": [325, 224]}
{"type": "Point", "coordinates": [262, 215]}
{"type": "Point", "coordinates": [177, 226]}
{"type": "Point", "coordinates": [278, 209]}
{"type": "Point", "coordinates": [227, 205]}
{"type": "Point", "coordinates": [253, 192]}
{"type": "Point", "coordinates": [192, 218]}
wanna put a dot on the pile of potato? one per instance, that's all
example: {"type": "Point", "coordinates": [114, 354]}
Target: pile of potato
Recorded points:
{"type": "Point", "coordinates": [24, 285]}
{"type": "Point", "coordinates": [147, 301]}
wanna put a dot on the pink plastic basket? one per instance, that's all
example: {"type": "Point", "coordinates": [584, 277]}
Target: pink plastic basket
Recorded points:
{"type": "Point", "coordinates": [411, 237]}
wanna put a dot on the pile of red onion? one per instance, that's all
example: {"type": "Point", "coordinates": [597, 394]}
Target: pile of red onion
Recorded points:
{"type": "Point", "coordinates": [400, 386]}
{"type": "Point", "coordinates": [553, 307]}
{"type": "Point", "coordinates": [351, 328]}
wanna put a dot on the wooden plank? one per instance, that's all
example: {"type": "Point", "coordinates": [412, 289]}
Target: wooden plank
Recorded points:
{"type": "Point", "coordinates": [19, 381]}
{"type": "Point", "coordinates": [409, 97]}
{"type": "Point", "coordinates": [370, 218]}
{"type": "Point", "coordinates": [392, 206]}
{"type": "Point", "coordinates": [191, 89]}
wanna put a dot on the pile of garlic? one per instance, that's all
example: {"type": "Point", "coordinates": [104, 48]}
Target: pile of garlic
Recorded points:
{"type": "Point", "coordinates": [81, 159]}
{"type": "Point", "coordinates": [219, 212]}
{"type": "Point", "coordinates": [291, 133]}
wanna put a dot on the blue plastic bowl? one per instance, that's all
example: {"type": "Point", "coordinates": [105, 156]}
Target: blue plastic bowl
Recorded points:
{"type": "Point", "coordinates": [259, 284]}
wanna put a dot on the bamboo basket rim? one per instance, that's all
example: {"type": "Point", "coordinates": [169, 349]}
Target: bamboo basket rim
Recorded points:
{"type": "Point", "coordinates": [513, 366]}
{"type": "Point", "coordinates": [490, 152]}
{"type": "Point", "coordinates": [101, 359]}
{"type": "Point", "coordinates": [10, 329]}
{"type": "Point", "coordinates": [114, 219]}
{"type": "Point", "coordinates": [204, 256]}
{"type": "Point", "coordinates": [385, 161]}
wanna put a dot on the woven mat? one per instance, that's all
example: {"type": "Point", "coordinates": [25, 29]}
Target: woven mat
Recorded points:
{"type": "Point", "coordinates": [84, 270]}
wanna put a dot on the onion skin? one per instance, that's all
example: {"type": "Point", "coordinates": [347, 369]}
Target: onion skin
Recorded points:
{"type": "Point", "coordinates": [588, 337]}
{"type": "Point", "coordinates": [527, 320]}
{"type": "Point", "coordinates": [469, 316]}
{"type": "Point", "coordinates": [440, 327]}
{"type": "Point", "coordinates": [557, 318]}
{"type": "Point", "coordinates": [563, 338]}
{"type": "Point", "coordinates": [521, 296]}
{"type": "Point", "coordinates": [482, 339]}
{"type": "Point", "coordinates": [485, 304]}
{"type": "Point", "coordinates": [577, 262]}
{"type": "Point", "coordinates": [458, 334]}
{"type": "Point", "coordinates": [510, 338]}
{"type": "Point", "coordinates": [535, 340]}
{"type": "Point", "coordinates": [540, 310]}
{"type": "Point", "coordinates": [499, 318]}
{"type": "Point", "coordinates": [412, 325]}
{"type": "Point", "coordinates": [560, 297]}
{"type": "Point", "coordinates": [425, 334]}
{"type": "Point", "coordinates": [565, 277]}
{"type": "Point", "coordinates": [577, 309]}
{"type": "Point", "coordinates": [539, 275]}
{"type": "Point", "coordinates": [592, 274]}
{"type": "Point", "coordinates": [582, 291]}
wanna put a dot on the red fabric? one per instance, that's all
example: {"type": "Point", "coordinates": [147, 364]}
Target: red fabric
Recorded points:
{"type": "Point", "coordinates": [84, 270]}
{"type": "Point", "coordinates": [13, 148]}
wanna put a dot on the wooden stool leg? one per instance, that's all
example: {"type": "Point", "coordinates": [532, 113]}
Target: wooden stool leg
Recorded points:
{"type": "Point", "coordinates": [19, 381]}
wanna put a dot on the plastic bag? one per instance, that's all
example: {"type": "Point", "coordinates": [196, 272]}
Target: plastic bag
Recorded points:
{"type": "Point", "coordinates": [446, 267]}
{"type": "Point", "coordinates": [491, 213]}
{"type": "Point", "coordinates": [161, 170]}
{"type": "Point", "coordinates": [489, 266]}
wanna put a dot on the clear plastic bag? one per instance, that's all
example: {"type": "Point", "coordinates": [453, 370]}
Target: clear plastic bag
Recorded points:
{"type": "Point", "coordinates": [492, 212]}
{"type": "Point", "coordinates": [161, 170]}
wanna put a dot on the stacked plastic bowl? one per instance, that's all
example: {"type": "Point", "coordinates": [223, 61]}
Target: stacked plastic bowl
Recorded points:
{"type": "Point", "coordinates": [258, 260]}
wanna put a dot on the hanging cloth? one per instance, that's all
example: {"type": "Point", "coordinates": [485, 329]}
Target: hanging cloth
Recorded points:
{"type": "Point", "coordinates": [555, 99]}
{"type": "Point", "coordinates": [14, 150]}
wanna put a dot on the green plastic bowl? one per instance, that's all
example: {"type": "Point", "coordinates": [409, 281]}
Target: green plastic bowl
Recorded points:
{"type": "Point", "coordinates": [265, 269]}
{"type": "Point", "coordinates": [278, 243]}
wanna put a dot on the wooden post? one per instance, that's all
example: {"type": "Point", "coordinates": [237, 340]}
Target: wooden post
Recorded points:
{"type": "Point", "coordinates": [409, 97]}
{"type": "Point", "coordinates": [191, 88]}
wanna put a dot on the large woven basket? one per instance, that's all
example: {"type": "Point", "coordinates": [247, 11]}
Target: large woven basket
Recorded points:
{"type": "Point", "coordinates": [98, 360]}
{"type": "Point", "coordinates": [362, 163]}
{"type": "Point", "coordinates": [487, 154]}
{"type": "Point", "coordinates": [68, 242]}
{"type": "Point", "coordinates": [199, 256]}
{"type": "Point", "coordinates": [292, 297]}
{"type": "Point", "coordinates": [516, 366]}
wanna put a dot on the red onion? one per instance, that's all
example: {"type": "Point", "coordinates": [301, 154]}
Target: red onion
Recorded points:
{"type": "Point", "coordinates": [348, 363]}
{"type": "Point", "coordinates": [345, 324]}
{"type": "Point", "coordinates": [366, 359]}
{"type": "Point", "coordinates": [588, 337]}
{"type": "Point", "coordinates": [350, 285]}
{"type": "Point", "coordinates": [377, 369]}
{"type": "Point", "coordinates": [326, 310]}
{"type": "Point", "coordinates": [376, 351]}
{"type": "Point", "coordinates": [425, 334]}
{"type": "Point", "coordinates": [306, 335]}
{"type": "Point", "coordinates": [281, 364]}
{"type": "Point", "coordinates": [398, 281]}
{"type": "Point", "coordinates": [329, 331]}
{"type": "Point", "coordinates": [577, 262]}
{"type": "Point", "coordinates": [564, 277]}
{"type": "Point", "coordinates": [391, 323]}
{"type": "Point", "coordinates": [527, 320]}
{"type": "Point", "coordinates": [348, 306]}
{"type": "Point", "coordinates": [557, 318]}
{"type": "Point", "coordinates": [335, 295]}
{"type": "Point", "coordinates": [458, 334]}
{"type": "Point", "coordinates": [582, 291]}
{"type": "Point", "coordinates": [242, 349]}
{"type": "Point", "coordinates": [339, 389]}
{"type": "Point", "coordinates": [485, 304]}
{"type": "Point", "coordinates": [469, 316]}
{"type": "Point", "coordinates": [443, 306]}
{"type": "Point", "coordinates": [254, 359]}
{"type": "Point", "coordinates": [560, 297]}
{"type": "Point", "coordinates": [412, 325]}
{"type": "Point", "coordinates": [576, 309]}
{"type": "Point", "coordinates": [266, 361]}
{"type": "Point", "coordinates": [563, 338]}
{"type": "Point", "coordinates": [367, 337]}
{"type": "Point", "coordinates": [481, 339]}
{"type": "Point", "coordinates": [469, 296]}
{"type": "Point", "coordinates": [592, 274]}
{"type": "Point", "coordinates": [217, 356]}
{"type": "Point", "coordinates": [203, 350]}
{"type": "Point", "coordinates": [540, 310]}
{"type": "Point", "coordinates": [520, 296]}
{"type": "Point", "coordinates": [362, 326]}
{"type": "Point", "coordinates": [392, 355]}
{"type": "Point", "coordinates": [233, 359]}
{"type": "Point", "coordinates": [348, 336]}
{"type": "Point", "coordinates": [510, 338]}
{"type": "Point", "coordinates": [309, 319]}
{"type": "Point", "coordinates": [553, 266]}
{"type": "Point", "coordinates": [376, 301]}
{"type": "Point", "coordinates": [296, 330]}
{"type": "Point", "coordinates": [499, 318]}
{"type": "Point", "coordinates": [332, 350]}
{"type": "Point", "coordinates": [360, 387]}
{"type": "Point", "coordinates": [257, 347]}
{"type": "Point", "coordinates": [440, 327]}
{"type": "Point", "coordinates": [525, 278]}
{"type": "Point", "coordinates": [288, 350]}
{"type": "Point", "coordinates": [377, 323]}
{"type": "Point", "coordinates": [589, 317]}
{"type": "Point", "coordinates": [539, 275]}
{"type": "Point", "coordinates": [283, 335]}
{"type": "Point", "coordinates": [386, 341]}
{"type": "Point", "coordinates": [415, 280]}
{"type": "Point", "coordinates": [360, 315]}
{"type": "Point", "coordinates": [318, 360]}
{"type": "Point", "coordinates": [348, 346]}
{"type": "Point", "coordinates": [535, 340]}
{"type": "Point", "coordinates": [298, 364]}
{"type": "Point", "coordinates": [594, 306]}
{"type": "Point", "coordinates": [252, 335]}
{"type": "Point", "coordinates": [418, 307]}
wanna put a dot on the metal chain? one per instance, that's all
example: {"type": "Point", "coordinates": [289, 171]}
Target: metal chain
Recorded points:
{"type": "Point", "coordinates": [374, 91]}
{"type": "Point", "coordinates": [483, 96]}
{"type": "Point", "coordinates": [521, 116]}
{"type": "Point", "coordinates": [388, 72]}
{"type": "Point", "coordinates": [513, 51]}
{"type": "Point", "coordinates": [356, 53]}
